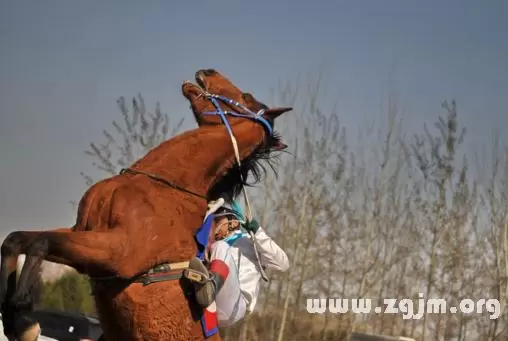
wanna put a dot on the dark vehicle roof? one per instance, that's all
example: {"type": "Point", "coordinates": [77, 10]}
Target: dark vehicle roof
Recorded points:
{"type": "Point", "coordinates": [67, 326]}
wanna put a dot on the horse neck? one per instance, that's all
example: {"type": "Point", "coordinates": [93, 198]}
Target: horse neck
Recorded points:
{"type": "Point", "coordinates": [197, 159]}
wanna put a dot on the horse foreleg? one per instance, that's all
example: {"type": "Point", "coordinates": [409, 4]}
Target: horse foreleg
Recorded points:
{"type": "Point", "coordinates": [92, 253]}
{"type": "Point", "coordinates": [13, 246]}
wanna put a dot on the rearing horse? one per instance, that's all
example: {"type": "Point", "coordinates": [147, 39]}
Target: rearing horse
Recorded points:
{"type": "Point", "coordinates": [130, 223]}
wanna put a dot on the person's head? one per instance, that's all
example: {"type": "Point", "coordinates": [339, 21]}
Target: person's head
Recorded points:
{"type": "Point", "coordinates": [228, 219]}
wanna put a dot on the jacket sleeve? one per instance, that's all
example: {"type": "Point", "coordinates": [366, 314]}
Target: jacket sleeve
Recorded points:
{"type": "Point", "coordinates": [270, 254]}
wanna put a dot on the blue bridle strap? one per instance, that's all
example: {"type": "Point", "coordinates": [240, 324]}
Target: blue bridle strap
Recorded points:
{"type": "Point", "coordinates": [251, 115]}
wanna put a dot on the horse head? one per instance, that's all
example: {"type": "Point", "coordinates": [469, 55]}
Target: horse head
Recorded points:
{"type": "Point", "coordinates": [216, 101]}
{"type": "Point", "coordinates": [210, 82]}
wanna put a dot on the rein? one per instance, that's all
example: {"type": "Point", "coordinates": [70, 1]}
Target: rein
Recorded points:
{"type": "Point", "coordinates": [253, 116]}
{"type": "Point", "coordinates": [159, 179]}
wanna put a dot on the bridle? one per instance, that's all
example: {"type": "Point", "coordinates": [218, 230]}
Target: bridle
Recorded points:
{"type": "Point", "coordinates": [255, 116]}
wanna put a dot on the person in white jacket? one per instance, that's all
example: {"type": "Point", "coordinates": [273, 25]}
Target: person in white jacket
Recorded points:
{"type": "Point", "coordinates": [232, 278]}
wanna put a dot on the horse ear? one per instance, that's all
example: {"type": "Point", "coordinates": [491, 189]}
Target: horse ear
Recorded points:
{"type": "Point", "coordinates": [280, 146]}
{"type": "Point", "coordinates": [273, 113]}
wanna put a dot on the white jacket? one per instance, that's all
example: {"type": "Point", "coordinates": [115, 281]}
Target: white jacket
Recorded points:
{"type": "Point", "coordinates": [270, 256]}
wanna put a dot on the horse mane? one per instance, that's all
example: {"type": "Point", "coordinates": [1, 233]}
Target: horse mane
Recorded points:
{"type": "Point", "coordinates": [230, 185]}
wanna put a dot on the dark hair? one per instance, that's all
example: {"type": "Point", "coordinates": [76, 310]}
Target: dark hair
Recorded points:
{"type": "Point", "coordinates": [231, 184]}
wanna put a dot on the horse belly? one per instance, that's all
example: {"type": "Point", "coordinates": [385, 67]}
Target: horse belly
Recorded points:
{"type": "Point", "coordinates": [156, 312]}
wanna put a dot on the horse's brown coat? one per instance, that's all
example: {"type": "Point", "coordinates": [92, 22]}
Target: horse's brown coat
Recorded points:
{"type": "Point", "coordinates": [128, 223]}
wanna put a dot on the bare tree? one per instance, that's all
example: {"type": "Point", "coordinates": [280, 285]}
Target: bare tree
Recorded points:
{"type": "Point", "coordinates": [382, 216]}
{"type": "Point", "coordinates": [139, 132]}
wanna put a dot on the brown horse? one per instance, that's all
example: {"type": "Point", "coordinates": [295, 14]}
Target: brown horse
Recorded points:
{"type": "Point", "coordinates": [128, 224]}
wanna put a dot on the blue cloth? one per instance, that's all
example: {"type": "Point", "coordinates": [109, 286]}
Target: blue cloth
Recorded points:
{"type": "Point", "coordinates": [202, 236]}
{"type": "Point", "coordinates": [234, 237]}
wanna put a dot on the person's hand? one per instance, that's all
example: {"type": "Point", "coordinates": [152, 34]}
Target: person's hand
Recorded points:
{"type": "Point", "coordinates": [252, 225]}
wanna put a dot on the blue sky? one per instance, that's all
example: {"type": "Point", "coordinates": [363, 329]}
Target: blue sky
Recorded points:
{"type": "Point", "coordinates": [64, 64]}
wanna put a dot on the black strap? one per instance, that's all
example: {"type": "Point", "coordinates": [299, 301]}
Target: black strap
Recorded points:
{"type": "Point", "coordinates": [164, 181]}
